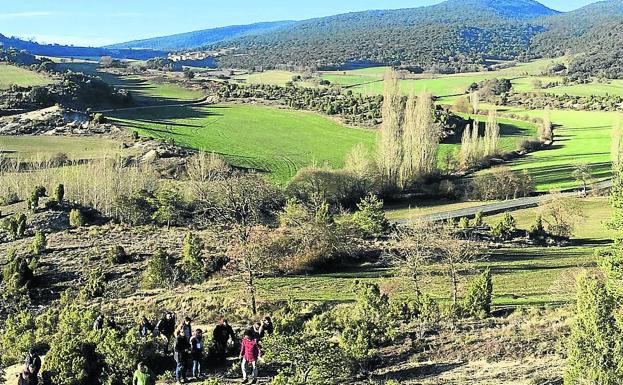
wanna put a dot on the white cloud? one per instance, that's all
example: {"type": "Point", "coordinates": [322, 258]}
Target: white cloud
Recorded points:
{"type": "Point", "coordinates": [25, 15]}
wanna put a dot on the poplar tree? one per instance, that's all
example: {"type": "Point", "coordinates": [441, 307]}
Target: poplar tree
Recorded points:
{"type": "Point", "coordinates": [546, 132]}
{"type": "Point", "coordinates": [492, 134]}
{"type": "Point", "coordinates": [390, 147]}
{"type": "Point", "coordinates": [475, 99]}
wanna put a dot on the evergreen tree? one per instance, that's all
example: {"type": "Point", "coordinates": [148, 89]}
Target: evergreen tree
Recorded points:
{"type": "Point", "coordinates": [477, 302]}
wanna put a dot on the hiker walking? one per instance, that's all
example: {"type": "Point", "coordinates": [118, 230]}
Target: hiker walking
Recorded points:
{"type": "Point", "coordinates": [221, 336]}
{"type": "Point", "coordinates": [166, 329]}
{"type": "Point", "coordinates": [181, 350]}
{"type": "Point", "coordinates": [187, 328]}
{"type": "Point", "coordinates": [267, 327]}
{"type": "Point", "coordinates": [32, 364]}
{"type": "Point", "coordinates": [196, 352]}
{"type": "Point", "coordinates": [142, 375]}
{"type": "Point", "coordinates": [145, 329]}
{"type": "Point", "coordinates": [249, 353]}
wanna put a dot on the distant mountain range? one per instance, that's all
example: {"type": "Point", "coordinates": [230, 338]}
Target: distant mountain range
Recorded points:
{"type": "Point", "coordinates": [58, 50]}
{"type": "Point", "coordinates": [453, 36]}
{"type": "Point", "coordinates": [190, 40]}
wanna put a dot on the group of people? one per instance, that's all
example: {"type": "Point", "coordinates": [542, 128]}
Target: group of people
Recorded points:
{"type": "Point", "coordinates": [189, 346]}
{"type": "Point", "coordinates": [30, 372]}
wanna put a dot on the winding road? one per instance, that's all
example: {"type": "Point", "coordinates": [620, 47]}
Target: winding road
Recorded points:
{"type": "Point", "coordinates": [499, 207]}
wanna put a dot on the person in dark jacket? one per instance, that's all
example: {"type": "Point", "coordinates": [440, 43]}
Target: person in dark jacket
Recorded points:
{"type": "Point", "coordinates": [196, 352]}
{"type": "Point", "coordinates": [111, 323]}
{"type": "Point", "coordinates": [187, 328]}
{"type": "Point", "coordinates": [99, 323]}
{"type": "Point", "coordinates": [32, 364]}
{"type": "Point", "coordinates": [181, 352]}
{"type": "Point", "coordinates": [166, 329]}
{"type": "Point", "coordinates": [267, 327]}
{"type": "Point", "coordinates": [221, 335]}
{"type": "Point", "coordinates": [145, 329]}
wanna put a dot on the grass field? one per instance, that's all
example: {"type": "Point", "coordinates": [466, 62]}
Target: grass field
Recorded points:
{"type": "Point", "coordinates": [143, 89]}
{"type": "Point", "coordinates": [277, 141]}
{"type": "Point", "coordinates": [10, 74]}
{"type": "Point", "coordinates": [45, 147]}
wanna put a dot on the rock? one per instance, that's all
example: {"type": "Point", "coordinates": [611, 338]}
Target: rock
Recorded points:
{"type": "Point", "coordinates": [150, 157]}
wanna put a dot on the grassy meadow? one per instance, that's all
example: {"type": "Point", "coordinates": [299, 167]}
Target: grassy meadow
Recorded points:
{"type": "Point", "coordinates": [10, 75]}
{"type": "Point", "coordinates": [35, 148]}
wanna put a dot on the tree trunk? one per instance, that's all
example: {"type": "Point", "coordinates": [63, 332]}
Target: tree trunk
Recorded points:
{"type": "Point", "coordinates": [251, 288]}
{"type": "Point", "coordinates": [455, 287]}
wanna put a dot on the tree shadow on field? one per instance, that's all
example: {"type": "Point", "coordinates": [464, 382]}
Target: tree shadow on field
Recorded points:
{"type": "Point", "coordinates": [427, 370]}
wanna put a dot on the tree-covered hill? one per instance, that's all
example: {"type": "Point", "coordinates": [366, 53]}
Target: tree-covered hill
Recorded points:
{"type": "Point", "coordinates": [196, 39]}
{"type": "Point", "coordinates": [456, 33]}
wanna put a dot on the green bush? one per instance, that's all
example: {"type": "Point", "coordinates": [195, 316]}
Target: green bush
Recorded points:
{"type": "Point", "coordinates": [370, 218]}
{"type": "Point", "coordinates": [478, 220]}
{"type": "Point", "coordinates": [464, 223]}
{"type": "Point", "coordinates": [76, 218]}
{"type": "Point", "coordinates": [116, 255]}
{"type": "Point", "coordinates": [160, 271]}
{"type": "Point", "coordinates": [17, 336]}
{"type": "Point", "coordinates": [192, 257]}
{"type": "Point", "coordinates": [15, 225]}
{"type": "Point", "coordinates": [537, 229]}
{"type": "Point", "coordinates": [594, 349]}
{"type": "Point", "coordinates": [37, 193]}
{"type": "Point", "coordinates": [59, 193]}
{"type": "Point", "coordinates": [477, 302]}
{"type": "Point", "coordinates": [136, 209]}
{"type": "Point", "coordinates": [18, 273]}
{"type": "Point", "coordinates": [94, 285]}
{"type": "Point", "coordinates": [506, 228]}
{"type": "Point", "coordinates": [39, 243]}
{"type": "Point", "coordinates": [170, 208]}
{"type": "Point", "coordinates": [422, 312]}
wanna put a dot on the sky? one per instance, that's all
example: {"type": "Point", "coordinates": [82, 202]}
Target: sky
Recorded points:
{"type": "Point", "coordinates": [101, 22]}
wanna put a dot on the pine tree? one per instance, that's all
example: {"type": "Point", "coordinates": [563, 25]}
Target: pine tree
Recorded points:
{"type": "Point", "coordinates": [390, 146]}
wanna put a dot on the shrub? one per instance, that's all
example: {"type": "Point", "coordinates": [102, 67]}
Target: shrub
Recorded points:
{"type": "Point", "coordinates": [15, 225]}
{"type": "Point", "coordinates": [160, 271]}
{"type": "Point", "coordinates": [478, 219]}
{"type": "Point", "coordinates": [170, 208]}
{"type": "Point", "coordinates": [370, 218]}
{"type": "Point", "coordinates": [594, 351]}
{"type": "Point", "coordinates": [136, 209]}
{"type": "Point", "coordinates": [59, 193]}
{"type": "Point", "coordinates": [500, 184]}
{"type": "Point", "coordinates": [192, 257]}
{"type": "Point", "coordinates": [506, 228]}
{"type": "Point", "coordinates": [537, 229]}
{"type": "Point", "coordinates": [37, 193]}
{"type": "Point", "coordinates": [76, 218]}
{"type": "Point", "coordinates": [16, 337]}
{"type": "Point", "coordinates": [38, 245]}
{"type": "Point", "coordinates": [99, 118]}
{"type": "Point", "coordinates": [422, 311]}
{"type": "Point", "coordinates": [18, 273]}
{"type": "Point", "coordinates": [477, 302]}
{"type": "Point", "coordinates": [116, 255]}
{"type": "Point", "coordinates": [464, 223]}
{"type": "Point", "coordinates": [94, 285]}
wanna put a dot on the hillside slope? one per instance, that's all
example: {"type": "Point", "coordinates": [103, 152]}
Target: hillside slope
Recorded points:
{"type": "Point", "coordinates": [457, 32]}
{"type": "Point", "coordinates": [200, 38]}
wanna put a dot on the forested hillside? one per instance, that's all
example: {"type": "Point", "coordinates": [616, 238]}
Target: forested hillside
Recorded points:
{"type": "Point", "coordinates": [458, 35]}
{"type": "Point", "coordinates": [196, 39]}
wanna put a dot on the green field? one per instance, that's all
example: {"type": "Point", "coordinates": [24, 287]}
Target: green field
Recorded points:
{"type": "Point", "coordinates": [277, 141]}
{"type": "Point", "coordinates": [46, 147]}
{"type": "Point", "coordinates": [143, 89]}
{"type": "Point", "coordinates": [10, 75]}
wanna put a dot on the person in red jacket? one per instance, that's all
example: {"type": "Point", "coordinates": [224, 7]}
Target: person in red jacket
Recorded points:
{"type": "Point", "coordinates": [250, 352]}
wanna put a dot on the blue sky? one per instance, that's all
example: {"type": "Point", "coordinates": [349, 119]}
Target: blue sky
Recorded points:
{"type": "Point", "coordinates": [100, 22]}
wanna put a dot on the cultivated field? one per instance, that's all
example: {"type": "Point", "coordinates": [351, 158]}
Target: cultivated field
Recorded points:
{"type": "Point", "coordinates": [10, 75]}
{"type": "Point", "coordinates": [29, 148]}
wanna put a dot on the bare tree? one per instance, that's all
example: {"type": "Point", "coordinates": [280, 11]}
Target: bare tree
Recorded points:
{"type": "Point", "coordinates": [561, 214]}
{"type": "Point", "coordinates": [202, 169]}
{"type": "Point", "coordinates": [546, 131]}
{"type": "Point", "coordinates": [390, 147]}
{"type": "Point", "coordinates": [582, 174]}
{"type": "Point", "coordinates": [416, 246]}
{"type": "Point", "coordinates": [457, 256]}
{"type": "Point", "coordinates": [492, 134]}
{"type": "Point", "coordinates": [475, 99]}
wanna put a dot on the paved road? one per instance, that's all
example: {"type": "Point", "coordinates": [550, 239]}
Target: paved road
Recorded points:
{"type": "Point", "coordinates": [495, 208]}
